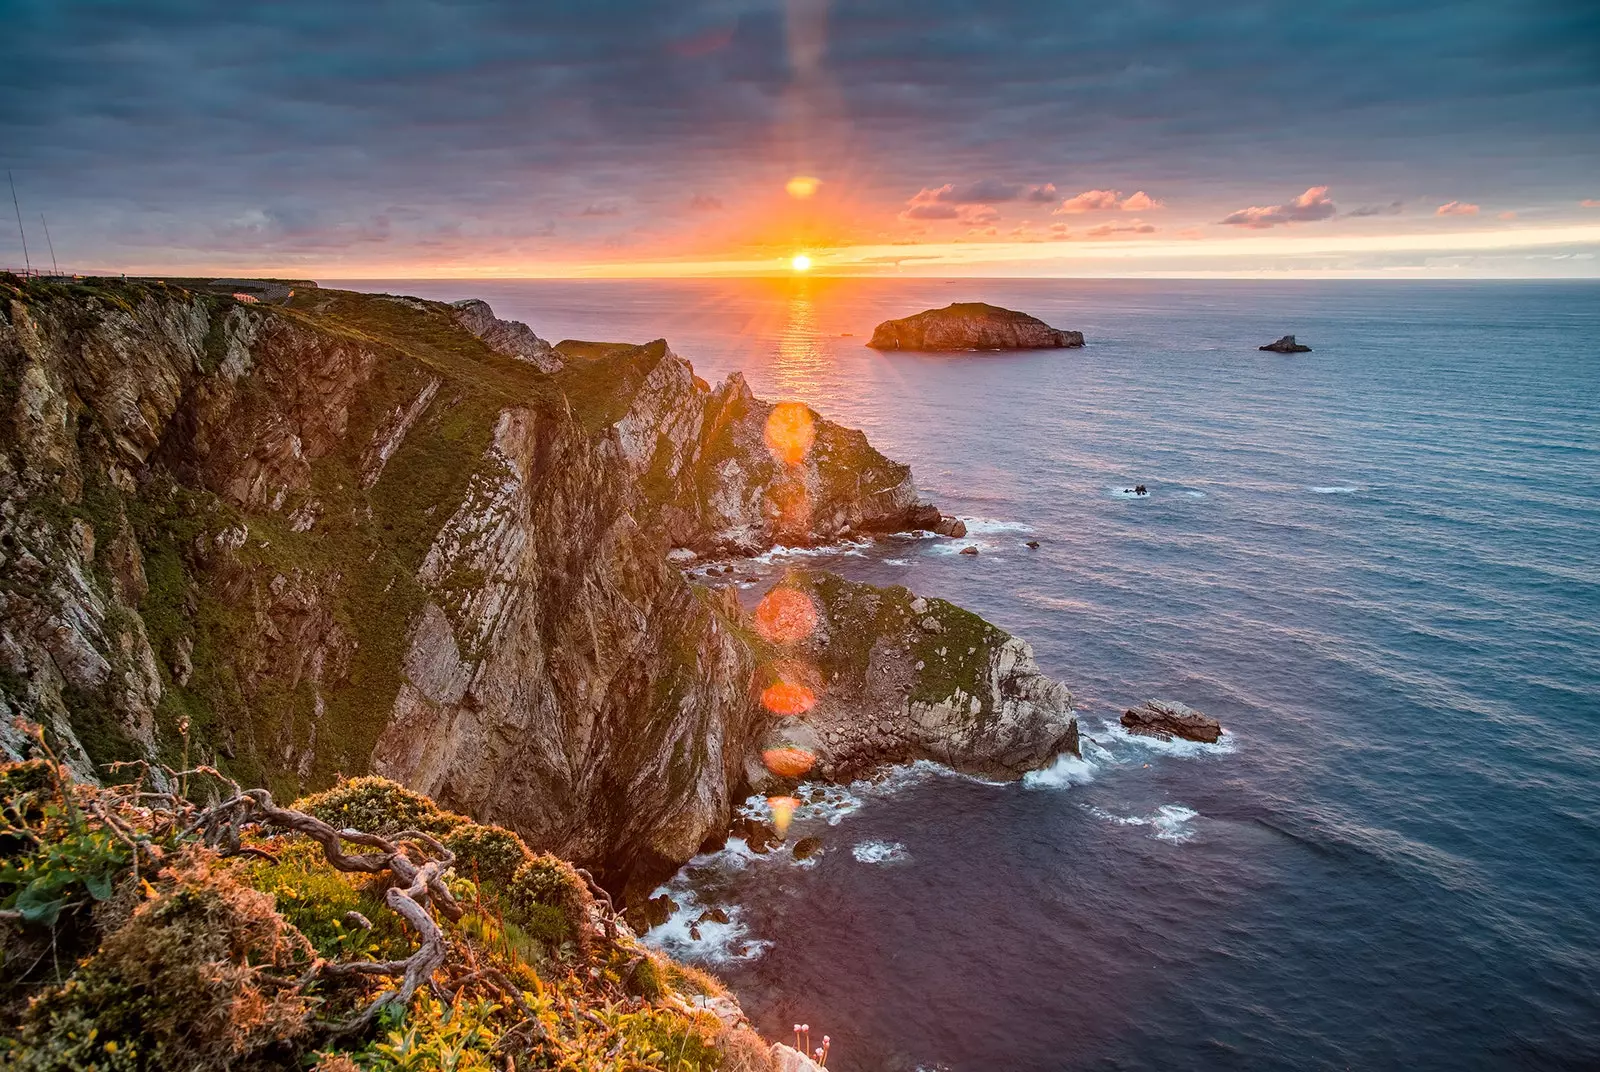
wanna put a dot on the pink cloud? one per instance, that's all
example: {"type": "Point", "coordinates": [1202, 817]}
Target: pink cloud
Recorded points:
{"type": "Point", "coordinates": [1456, 208]}
{"type": "Point", "coordinates": [1314, 204]}
{"type": "Point", "coordinates": [1106, 230]}
{"type": "Point", "coordinates": [947, 203]}
{"type": "Point", "coordinates": [1141, 202]}
{"type": "Point", "coordinates": [1589, 202]}
{"type": "Point", "coordinates": [1090, 201]}
{"type": "Point", "coordinates": [1508, 215]}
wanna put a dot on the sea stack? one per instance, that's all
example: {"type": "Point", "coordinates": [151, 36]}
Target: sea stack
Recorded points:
{"type": "Point", "coordinates": [1285, 345]}
{"type": "Point", "coordinates": [971, 326]}
{"type": "Point", "coordinates": [1166, 719]}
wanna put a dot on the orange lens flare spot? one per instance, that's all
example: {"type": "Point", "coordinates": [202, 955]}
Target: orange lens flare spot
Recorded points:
{"type": "Point", "coordinates": [788, 762]}
{"type": "Point", "coordinates": [802, 186]}
{"type": "Point", "coordinates": [788, 698]}
{"type": "Point", "coordinates": [785, 615]}
{"type": "Point", "coordinates": [790, 432]}
{"type": "Point", "coordinates": [782, 813]}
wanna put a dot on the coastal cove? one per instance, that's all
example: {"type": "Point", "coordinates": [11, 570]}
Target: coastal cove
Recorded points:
{"type": "Point", "coordinates": [1374, 563]}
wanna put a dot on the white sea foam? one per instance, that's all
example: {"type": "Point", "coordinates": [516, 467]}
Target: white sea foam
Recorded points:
{"type": "Point", "coordinates": [983, 526]}
{"type": "Point", "coordinates": [783, 552]}
{"type": "Point", "coordinates": [1170, 822]}
{"type": "Point", "coordinates": [1066, 771]}
{"type": "Point", "coordinates": [1334, 490]}
{"type": "Point", "coordinates": [881, 852]}
{"type": "Point", "coordinates": [1121, 491]}
{"type": "Point", "coordinates": [1114, 735]}
{"type": "Point", "coordinates": [894, 562]}
{"type": "Point", "coordinates": [1195, 494]}
{"type": "Point", "coordinates": [683, 935]}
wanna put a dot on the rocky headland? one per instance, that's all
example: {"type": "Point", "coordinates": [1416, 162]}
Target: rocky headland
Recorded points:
{"type": "Point", "coordinates": [363, 533]}
{"type": "Point", "coordinates": [971, 326]}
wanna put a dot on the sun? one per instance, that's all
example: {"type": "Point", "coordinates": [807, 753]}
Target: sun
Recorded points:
{"type": "Point", "coordinates": [800, 262]}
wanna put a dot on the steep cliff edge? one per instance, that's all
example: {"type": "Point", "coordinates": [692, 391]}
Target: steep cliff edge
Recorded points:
{"type": "Point", "coordinates": [350, 534]}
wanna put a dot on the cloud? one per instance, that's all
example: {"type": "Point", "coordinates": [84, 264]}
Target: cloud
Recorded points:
{"type": "Point", "coordinates": [1141, 202]}
{"type": "Point", "coordinates": [930, 211]}
{"type": "Point", "coordinates": [1509, 214]}
{"type": "Point", "coordinates": [1456, 208]}
{"type": "Point", "coordinates": [600, 210]}
{"type": "Point", "coordinates": [705, 203]}
{"type": "Point", "coordinates": [983, 192]}
{"type": "Point", "coordinates": [1312, 205]}
{"type": "Point", "coordinates": [1090, 201]}
{"type": "Point", "coordinates": [1106, 230]}
{"type": "Point", "coordinates": [1393, 208]}
{"type": "Point", "coordinates": [929, 205]}
{"type": "Point", "coordinates": [1589, 202]}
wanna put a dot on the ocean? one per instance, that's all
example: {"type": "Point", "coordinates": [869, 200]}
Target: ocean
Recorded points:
{"type": "Point", "coordinates": [1377, 563]}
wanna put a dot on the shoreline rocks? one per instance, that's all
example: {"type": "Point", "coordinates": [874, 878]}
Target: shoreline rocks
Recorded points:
{"type": "Point", "coordinates": [1166, 719]}
{"type": "Point", "coordinates": [971, 326]}
{"type": "Point", "coordinates": [1285, 345]}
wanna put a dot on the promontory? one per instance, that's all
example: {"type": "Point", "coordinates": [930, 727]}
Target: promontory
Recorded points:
{"type": "Point", "coordinates": [971, 326]}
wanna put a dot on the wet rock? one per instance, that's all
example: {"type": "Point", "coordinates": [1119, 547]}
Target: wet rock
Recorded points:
{"type": "Point", "coordinates": [657, 910]}
{"type": "Point", "coordinates": [951, 526]}
{"type": "Point", "coordinates": [1285, 345]}
{"type": "Point", "coordinates": [713, 915]}
{"type": "Point", "coordinates": [807, 847]}
{"type": "Point", "coordinates": [1034, 544]}
{"type": "Point", "coordinates": [971, 326]}
{"type": "Point", "coordinates": [1166, 719]}
{"type": "Point", "coordinates": [969, 550]}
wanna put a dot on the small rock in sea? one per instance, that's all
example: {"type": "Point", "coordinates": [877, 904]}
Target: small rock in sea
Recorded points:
{"type": "Point", "coordinates": [713, 915]}
{"type": "Point", "coordinates": [1285, 345]}
{"type": "Point", "coordinates": [807, 847]}
{"type": "Point", "coordinates": [1166, 719]}
{"type": "Point", "coordinates": [969, 550]}
{"type": "Point", "coordinates": [658, 909]}
{"type": "Point", "coordinates": [953, 527]}
{"type": "Point", "coordinates": [694, 933]}
{"type": "Point", "coordinates": [971, 326]}
{"type": "Point", "coordinates": [1033, 544]}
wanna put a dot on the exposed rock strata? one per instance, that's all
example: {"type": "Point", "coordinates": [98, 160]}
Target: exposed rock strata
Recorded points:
{"type": "Point", "coordinates": [1166, 719]}
{"type": "Point", "coordinates": [971, 326]}
{"type": "Point", "coordinates": [510, 337]}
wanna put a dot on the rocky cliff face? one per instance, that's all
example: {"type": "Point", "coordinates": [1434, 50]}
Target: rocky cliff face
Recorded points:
{"type": "Point", "coordinates": [971, 326]}
{"type": "Point", "coordinates": [350, 534]}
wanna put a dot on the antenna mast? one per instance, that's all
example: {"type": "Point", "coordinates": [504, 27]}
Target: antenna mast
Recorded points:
{"type": "Point", "coordinates": [27, 264]}
{"type": "Point", "coordinates": [53, 265]}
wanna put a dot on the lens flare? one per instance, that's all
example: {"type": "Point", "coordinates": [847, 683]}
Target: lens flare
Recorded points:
{"type": "Point", "coordinates": [787, 698]}
{"type": "Point", "coordinates": [802, 186]}
{"type": "Point", "coordinates": [782, 813]}
{"type": "Point", "coordinates": [800, 262]}
{"type": "Point", "coordinates": [788, 762]}
{"type": "Point", "coordinates": [785, 615]}
{"type": "Point", "coordinates": [790, 432]}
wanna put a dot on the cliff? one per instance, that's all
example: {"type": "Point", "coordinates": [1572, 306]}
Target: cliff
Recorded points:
{"type": "Point", "coordinates": [349, 535]}
{"type": "Point", "coordinates": [971, 326]}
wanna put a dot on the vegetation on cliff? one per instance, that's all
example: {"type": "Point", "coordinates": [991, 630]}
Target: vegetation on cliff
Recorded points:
{"type": "Point", "coordinates": [363, 928]}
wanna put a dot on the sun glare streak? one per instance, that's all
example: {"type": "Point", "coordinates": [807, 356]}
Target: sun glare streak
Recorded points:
{"type": "Point", "coordinates": [790, 432]}
{"type": "Point", "coordinates": [788, 761]}
{"type": "Point", "coordinates": [785, 615]}
{"type": "Point", "coordinates": [788, 698]}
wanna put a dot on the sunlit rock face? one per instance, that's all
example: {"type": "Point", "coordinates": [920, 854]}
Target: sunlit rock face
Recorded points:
{"type": "Point", "coordinates": [971, 326]}
{"type": "Point", "coordinates": [349, 534]}
{"type": "Point", "coordinates": [510, 337]}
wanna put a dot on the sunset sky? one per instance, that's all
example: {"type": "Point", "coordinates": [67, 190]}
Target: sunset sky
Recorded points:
{"type": "Point", "coordinates": [627, 137]}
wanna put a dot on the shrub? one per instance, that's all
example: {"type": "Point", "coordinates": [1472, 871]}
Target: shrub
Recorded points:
{"type": "Point", "coordinates": [199, 977]}
{"type": "Point", "coordinates": [487, 854]}
{"type": "Point", "coordinates": [378, 806]}
{"type": "Point", "coordinates": [550, 901]}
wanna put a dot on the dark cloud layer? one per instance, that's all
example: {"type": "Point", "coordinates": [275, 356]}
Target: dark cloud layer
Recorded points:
{"type": "Point", "coordinates": [293, 128]}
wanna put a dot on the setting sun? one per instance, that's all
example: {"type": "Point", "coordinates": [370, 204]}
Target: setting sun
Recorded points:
{"type": "Point", "coordinates": [800, 263]}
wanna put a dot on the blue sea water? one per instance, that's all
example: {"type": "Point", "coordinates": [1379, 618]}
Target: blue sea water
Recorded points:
{"type": "Point", "coordinates": [1378, 564]}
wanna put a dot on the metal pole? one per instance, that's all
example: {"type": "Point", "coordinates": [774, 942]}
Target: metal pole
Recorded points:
{"type": "Point", "coordinates": [53, 265]}
{"type": "Point", "coordinates": [26, 263]}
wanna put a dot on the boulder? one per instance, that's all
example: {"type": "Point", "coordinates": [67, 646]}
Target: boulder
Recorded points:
{"type": "Point", "coordinates": [951, 526]}
{"type": "Point", "coordinates": [807, 847]}
{"type": "Point", "coordinates": [971, 326]}
{"type": "Point", "coordinates": [1285, 345]}
{"type": "Point", "coordinates": [1167, 719]}
{"type": "Point", "coordinates": [969, 550]}
{"type": "Point", "coordinates": [1033, 544]}
{"type": "Point", "coordinates": [713, 915]}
